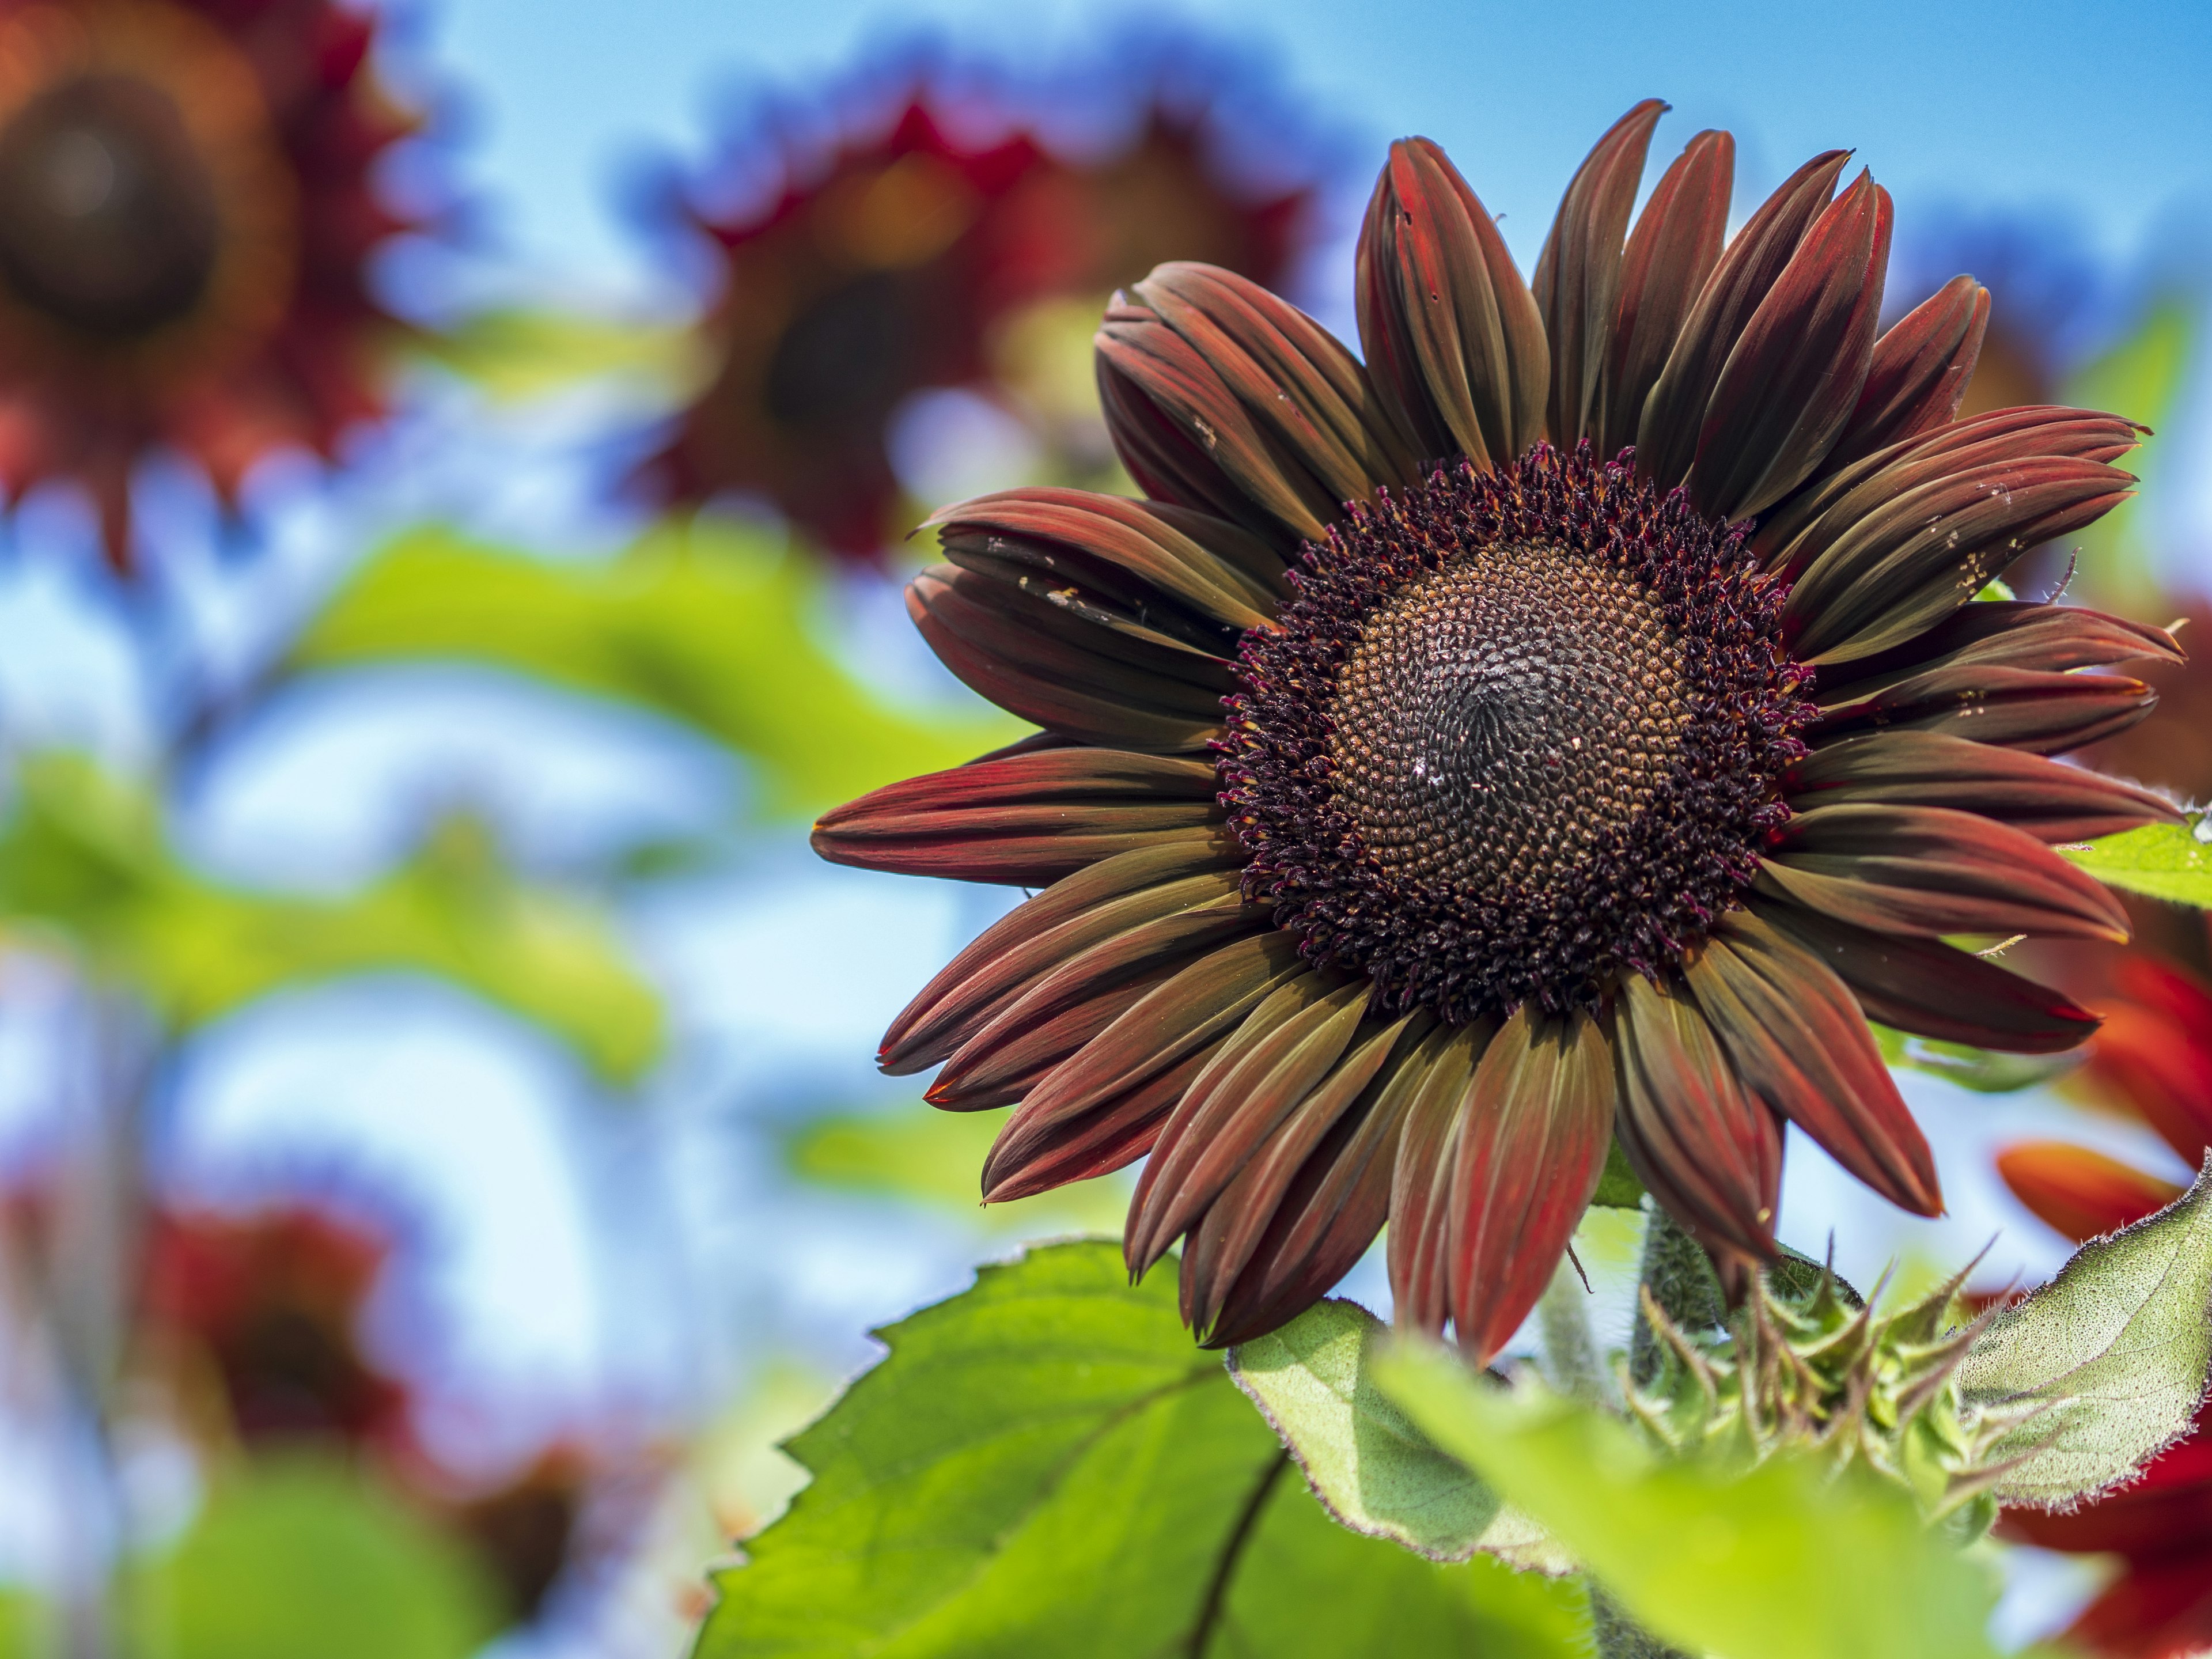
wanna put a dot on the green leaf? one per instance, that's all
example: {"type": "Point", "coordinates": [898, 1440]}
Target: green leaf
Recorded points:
{"type": "Point", "coordinates": [1046, 1465]}
{"type": "Point", "coordinates": [517, 355]}
{"type": "Point", "coordinates": [2163, 861]}
{"type": "Point", "coordinates": [705, 623]}
{"type": "Point", "coordinates": [1377, 1473]}
{"type": "Point", "coordinates": [1618, 1188]}
{"type": "Point", "coordinates": [1788, 1561]}
{"type": "Point", "coordinates": [1982, 1070]}
{"type": "Point", "coordinates": [300, 1558]}
{"type": "Point", "coordinates": [936, 1158]}
{"type": "Point", "coordinates": [82, 856]}
{"type": "Point", "coordinates": [2116, 1350]}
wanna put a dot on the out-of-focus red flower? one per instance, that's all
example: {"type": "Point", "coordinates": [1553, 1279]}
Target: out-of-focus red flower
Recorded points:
{"type": "Point", "coordinates": [269, 1306]}
{"type": "Point", "coordinates": [886, 267]}
{"type": "Point", "coordinates": [186, 221]}
{"type": "Point", "coordinates": [2153, 1057]}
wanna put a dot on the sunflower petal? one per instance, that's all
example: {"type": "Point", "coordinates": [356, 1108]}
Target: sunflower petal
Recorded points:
{"type": "Point", "coordinates": [1037, 1151]}
{"type": "Point", "coordinates": [1271, 413]}
{"type": "Point", "coordinates": [1922, 555]}
{"type": "Point", "coordinates": [2084, 1194]}
{"type": "Point", "coordinates": [1077, 674]}
{"type": "Point", "coordinates": [1672, 250]}
{"type": "Point", "coordinates": [1426, 1094]}
{"type": "Point", "coordinates": [1927, 872]}
{"type": "Point", "coordinates": [1221, 1122]}
{"type": "Point", "coordinates": [1795, 373]}
{"type": "Point", "coordinates": [1451, 334]}
{"type": "Point", "coordinates": [2044, 714]}
{"type": "Point", "coordinates": [1220, 572]}
{"type": "Point", "coordinates": [2157, 1065]}
{"type": "Point", "coordinates": [1673, 416]}
{"type": "Point", "coordinates": [2051, 802]}
{"type": "Point", "coordinates": [1708, 1151]}
{"type": "Point", "coordinates": [1206, 1000]}
{"type": "Point", "coordinates": [1936, 990]}
{"type": "Point", "coordinates": [1026, 819]}
{"type": "Point", "coordinates": [1577, 280]}
{"type": "Point", "coordinates": [1060, 1014]}
{"type": "Point", "coordinates": [1920, 369]}
{"type": "Point", "coordinates": [1319, 1186]}
{"type": "Point", "coordinates": [1022, 948]}
{"type": "Point", "coordinates": [1796, 1037]}
{"type": "Point", "coordinates": [1531, 1145]}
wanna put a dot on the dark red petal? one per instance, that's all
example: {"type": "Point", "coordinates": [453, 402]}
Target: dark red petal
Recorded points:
{"type": "Point", "coordinates": [1577, 280]}
{"type": "Point", "coordinates": [1674, 415]}
{"type": "Point", "coordinates": [2008, 634]}
{"type": "Point", "coordinates": [1225, 1117]}
{"type": "Point", "coordinates": [1671, 253]}
{"type": "Point", "coordinates": [1795, 373]}
{"type": "Point", "coordinates": [1037, 1151]}
{"type": "Point", "coordinates": [1093, 676]}
{"type": "Point", "coordinates": [1921, 555]}
{"type": "Point", "coordinates": [1220, 572]}
{"type": "Point", "coordinates": [2084, 1194]}
{"type": "Point", "coordinates": [1799, 1043]}
{"type": "Point", "coordinates": [2159, 1608]}
{"type": "Point", "coordinates": [1276, 1237]}
{"type": "Point", "coordinates": [1206, 1000]}
{"type": "Point", "coordinates": [1926, 871]}
{"type": "Point", "coordinates": [1427, 1094]}
{"type": "Point", "coordinates": [2159, 1066]}
{"type": "Point", "coordinates": [1452, 335]}
{"type": "Point", "coordinates": [1836, 505]}
{"type": "Point", "coordinates": [1067, 1008]}
{"type": "Point", "coordinates": [1260, 397]}
{"type": "Point", "coordinates": [1055, 927]}
{"type": "Point", "coordinates": [1920, 369]}
{"type": "Point", "coordinates": [1934, 990]}
{"type": "Point", "coordinates": [1708, 1151]}
{"type": "Point", "coordinates": [2050, 801]}
{"type": "Point", "coordinates": [1530, 1147]}
{"type": "Point", "coordinates": [2046, 713]}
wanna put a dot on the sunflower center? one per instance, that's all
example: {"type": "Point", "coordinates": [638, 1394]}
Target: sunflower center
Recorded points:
{"type": "Point", "coordinates": [1498, 717]}
{"type": "Point", "coordinates": [108, 221]}
{"type": "Point", "coordinates": [1519, 733]}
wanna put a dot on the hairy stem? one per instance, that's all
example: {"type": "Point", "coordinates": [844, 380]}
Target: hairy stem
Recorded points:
{"type": "Point", "coordinates": [1619, 1637]}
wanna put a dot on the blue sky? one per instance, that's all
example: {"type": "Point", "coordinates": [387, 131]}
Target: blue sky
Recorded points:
{"type": "Point", "coordinates": [2100, 117]}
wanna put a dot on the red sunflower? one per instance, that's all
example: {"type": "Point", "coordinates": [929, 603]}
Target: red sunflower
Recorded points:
{"type": "Point", "coordinates": [1565, 729]}
{"type": "Point", "coordinates": [267, 1307]}
{"type": "Point", "coordinates": [890, 267]}
{"type": "Point", "coordinates": [185, 219]}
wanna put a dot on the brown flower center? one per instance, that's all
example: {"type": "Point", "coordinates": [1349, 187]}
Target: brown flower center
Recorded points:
{"type": "Point", "coordinates": [1520, 732]}
{"type": "Point", "coordinates": [1499, 718]}
{"type": "Point", "coordinates": [108, 220]}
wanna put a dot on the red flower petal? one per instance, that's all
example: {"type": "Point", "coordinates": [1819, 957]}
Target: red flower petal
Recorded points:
{"type": "Point", "coordinates": [2084, 1194]}
{"type": "Point", "coordinates": [2051, 802]}
{"type": "Point", "coordinates": [1530, 1149]}
{"type": "Point", "coordinates": [1452, 334]}
{"type": "Point", "coordinates": [1577, 280]}
{"type": "Point", "coordinates": [1920, 369]}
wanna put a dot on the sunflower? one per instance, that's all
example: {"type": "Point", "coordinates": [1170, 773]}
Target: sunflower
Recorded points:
{"type": "Point", "coordinates": [901, 263]}
{"type": "Point", "coordinates": [1563, 730]}
{"type": "Point", "coordinates": [255, 1318]}
{"type": "Point", "coordinates": [185, 219]}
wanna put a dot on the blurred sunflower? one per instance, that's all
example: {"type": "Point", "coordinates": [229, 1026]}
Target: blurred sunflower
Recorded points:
{"type": "Point", "coordinates": [919, 260]}
{"type": "Point", "coordinates": [255, 1320]}
{"type": "Point", "coordinates": [185, 219]}
{"type": "Point", "coordinates": [2152, 1058]}
{"type": "Point", "coordinates": [1567, 792]}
